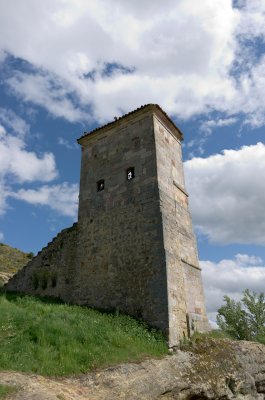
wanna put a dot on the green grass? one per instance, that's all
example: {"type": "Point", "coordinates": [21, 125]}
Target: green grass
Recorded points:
{"type": "Point", "coordinates": [57, 339]}
{"type": "Point", "coordinates": [5, 390]}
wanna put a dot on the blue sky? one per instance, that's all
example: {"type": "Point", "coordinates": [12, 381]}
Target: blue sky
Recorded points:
{"type": "Point", "coordinates": [69, 66]}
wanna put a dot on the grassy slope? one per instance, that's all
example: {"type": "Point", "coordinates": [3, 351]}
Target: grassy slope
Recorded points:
{"type": "Point", "coordinates": [11, 260]}
{"type": "Point", "coordinates": [58, 339]}
{"type": "Point", "coordinates": [6, 390]}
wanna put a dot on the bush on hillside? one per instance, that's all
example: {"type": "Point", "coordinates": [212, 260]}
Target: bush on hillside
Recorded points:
{"type": "Point", "coordinates": [245, 319]}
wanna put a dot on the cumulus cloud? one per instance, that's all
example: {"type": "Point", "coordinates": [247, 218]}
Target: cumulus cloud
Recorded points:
{"type": "Point", "coordinates": [12, 121]}
{"type": "Point", "coordinates": [1, 236]}
{"type": "Point", "coordinates": [227, 195]}
{"type": "Point", "coordinates": [252, 19]}
{"type": "Point", "coordinates": [19, 166]}
{"type": "Point", "coordinates": [251, 100]}
{"type": "Point", "coordinates": [22, 165]}
{"type": "Point", "coordinates": [179, 54]}
{"type": "Point", "coordinates": [208, 126]}
{"type": "Point", "coordinates": [62, 198]}
{"type": "Point", "coordinates": [47, 91]}
{"type": "Point", "coordinates": [231, 277]}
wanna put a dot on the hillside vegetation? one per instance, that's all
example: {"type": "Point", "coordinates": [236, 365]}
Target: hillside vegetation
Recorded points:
{"type": "Point", "coordinates": [48, 338]}
{"type": "Point", "coordinates": [6, 390]}
{"type": "Point", "coordinates": [11, 260]}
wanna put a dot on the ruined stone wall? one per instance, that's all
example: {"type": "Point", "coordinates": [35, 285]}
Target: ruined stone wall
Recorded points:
{"type": "Point", "coordinates": [52, 271]}
{"type": "Point", "coordinates": [121, 259]}
{"type": "Point", "coordinates": [185, 291]}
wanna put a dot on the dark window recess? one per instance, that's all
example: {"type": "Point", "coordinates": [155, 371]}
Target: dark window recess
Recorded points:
{"type": "Point", "coordinates": [130, 174]}
{"type": "Point", "coordinates": [100, 185]}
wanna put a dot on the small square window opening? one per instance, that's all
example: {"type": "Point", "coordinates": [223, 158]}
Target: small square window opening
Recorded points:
{"type": "Point", "coordinates": [130, 174]}
{"type": "Point", "coordinates": [100, 185]}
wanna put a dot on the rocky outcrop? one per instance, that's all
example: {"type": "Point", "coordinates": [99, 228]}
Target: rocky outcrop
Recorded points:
{"type": "Point", "coordinates": [211, 369]}
{"type": "Point", "coordinates": [11, 260]}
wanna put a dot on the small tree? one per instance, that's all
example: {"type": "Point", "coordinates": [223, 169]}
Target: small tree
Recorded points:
{"type": "Point", "coordinates": [245, 319]}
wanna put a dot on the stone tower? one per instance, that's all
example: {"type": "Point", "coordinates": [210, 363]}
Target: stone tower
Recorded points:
{"type": "Point", "coordinates": [135, 230]}
{"type": "Point", "coordinates": [133, 248]}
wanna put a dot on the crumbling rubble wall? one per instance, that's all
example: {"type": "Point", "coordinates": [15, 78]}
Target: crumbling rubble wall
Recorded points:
{"type": "Point", "coordinates": [51, 272]}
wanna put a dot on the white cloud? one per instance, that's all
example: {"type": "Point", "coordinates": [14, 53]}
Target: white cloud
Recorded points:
{"type": "Point", "coordinates": [231, 277]}
{"type": "Point", "coordinates": [252, 19]}
{"type": "Point", "coordinates": [208, 126]}
{"type": "Point", "coordinates": [47, 91]}
{"type": "Point", "coordinates": [2, 56]}
{"type": "Point", "coordinates": [250, 99]}
{"type": "Point", "coordinates": [176, 53]}
{"type": "Point", "coordinates": [1, 236]}
{"type": "Point", "coordinates": [63, 198]}
{"type": "Point", "coordinates": [4, 191]}
{"type": "Point", "coordinates": [65, 143]}
{"type": "Point", "coordinates": [12, 121]}
{"type": "Point", "coordinates": [22, 165]}
{"type": "Point", "coordinates": [227, 195]}
{"type": "Point", "coordinates": [18, 165]}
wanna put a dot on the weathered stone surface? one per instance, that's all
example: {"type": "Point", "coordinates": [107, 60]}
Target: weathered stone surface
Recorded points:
{"type": "Point", "coordinates": [121, 236]}
{"type": "Point", "coordinates": [51, 272]}
{"type": "Point", "coordinates": [220, 370]}
{"type": "Point", "coordinates": [186, 302]}
{"type": "Point", "coordinates": [133, 248]}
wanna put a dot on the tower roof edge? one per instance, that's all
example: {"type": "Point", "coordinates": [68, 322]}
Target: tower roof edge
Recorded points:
{"type": "Point", "coordinates": [147, 107]}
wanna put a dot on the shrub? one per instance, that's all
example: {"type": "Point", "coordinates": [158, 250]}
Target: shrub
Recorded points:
{"type": "Point", "coordinates": [245, 319]}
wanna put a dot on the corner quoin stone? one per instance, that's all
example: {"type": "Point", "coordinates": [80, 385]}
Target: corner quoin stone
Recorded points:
{"type": "Point", "coordinates": [133, 247]}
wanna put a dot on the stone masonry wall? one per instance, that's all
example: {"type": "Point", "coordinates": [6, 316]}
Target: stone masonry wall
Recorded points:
{"type": "Point", "coordinates": [121, 258]}
{"type": "Point", "coordinates": [52, 271]}
{"type": "Point", "coordinates": [185, 295]}
{"type": "Point", "coordinates": [196, 313]}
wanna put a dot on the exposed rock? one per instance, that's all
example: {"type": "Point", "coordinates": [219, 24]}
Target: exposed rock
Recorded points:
{"type": "Point", "coordinates": [213, 369]}
{"type": "Point", "coordinates": [4, 277]}
{"type": "Point", "coordinates": [11, 260]}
